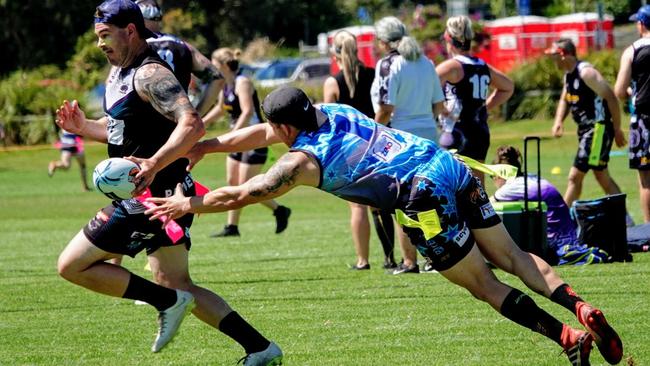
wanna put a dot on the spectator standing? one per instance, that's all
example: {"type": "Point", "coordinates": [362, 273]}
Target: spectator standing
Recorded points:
{"type": "Point", "coordinates": [467, 80]}
{"type": "Point", "coordinates": [634, 69]}
{"type": "Point", "coordinates": [351, 86]}
{"type": "Point", "coordinates": [239, 99]}
{"type": "Point", "coordinates": [405, 90]}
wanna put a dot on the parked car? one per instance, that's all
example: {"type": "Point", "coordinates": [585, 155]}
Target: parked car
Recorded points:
{"type": "Point", "coordinates": [291, 70]}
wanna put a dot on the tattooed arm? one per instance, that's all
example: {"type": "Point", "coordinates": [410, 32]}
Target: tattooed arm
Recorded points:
{"type": "Point", "coordinates": [203, 69]}
{"type": "Point", "coordinates": [157, 85]}
{"type": "Point", "coordinates": [291, 170]}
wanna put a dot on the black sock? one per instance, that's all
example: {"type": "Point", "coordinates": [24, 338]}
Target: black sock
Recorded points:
{"type": "Point", "coordinates": [235, 327]}
{"type": "Point", "coordinates": [521, 309]}
{"type": "Point", "coordinates": [158, 296]}
{"type": "Point", "coordinates": [385, 231]}
{"type": "Point", "coordinates": [565, 296]}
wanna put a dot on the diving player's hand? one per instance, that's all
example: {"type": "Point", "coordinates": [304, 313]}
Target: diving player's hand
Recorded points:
{"type": "Point", "coordinates": [145, 176]}
{"type": "Point", "coordinates": [557, 130]}
{"type": "Point", "coordinates": [169, 208]}
{"type": "Point", "coordinates": [70, 117]}
{"type": "Point", "coordinates": [619, 138]}
{"type": "Point", "coordinates": [194, 156]}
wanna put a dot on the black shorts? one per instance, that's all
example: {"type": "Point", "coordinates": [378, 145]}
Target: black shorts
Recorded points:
{"type": "Point", "coordinates": [252, 157]}
{"type": "Point", "coordinates": [594, 145]}
{"type": "Point", "coordinates": [458, 212]}
{"type": "Point", "coordinates": [639, 151]}
{"type": "Point", "coordinates": [71, 149]}
{"type": "Point", "coordinates": [476, 140]}
{"type": "Point", "coordinates": [123, 228]}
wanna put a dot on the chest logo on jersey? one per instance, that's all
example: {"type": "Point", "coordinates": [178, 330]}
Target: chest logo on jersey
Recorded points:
{"type": "Point", "coordinates": [386, 147]}
{"type": "Point", "coordinates": [576, 83]}
{"type": "Point", "coordinates": [124, 88]}
{"type": "Point", "coordinates": [572, 98]}
{"type": "Point", "coordinates": [115, 131]}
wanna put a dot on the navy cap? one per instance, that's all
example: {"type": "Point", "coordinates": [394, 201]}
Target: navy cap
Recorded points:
{"type": "Point", "coordinates": [291, 106]}
{"type": "Point", "coordinates": [121, 13]}
{"type": "Point", "coordinates": [643, 15]}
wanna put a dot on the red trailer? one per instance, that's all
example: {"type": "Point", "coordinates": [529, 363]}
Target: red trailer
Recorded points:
{"type": "Point", "coordinates": [586, 31]}
{"type": "Point", "coordinates": [515, 39]}
{"type": "Point", "coordinates": [368, 54]}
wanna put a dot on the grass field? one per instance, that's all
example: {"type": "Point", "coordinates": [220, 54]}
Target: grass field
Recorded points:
{"type": "Point", "coordinates": [294, 287]}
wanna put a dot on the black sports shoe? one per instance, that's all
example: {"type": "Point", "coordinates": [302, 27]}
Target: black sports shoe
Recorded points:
{"type": "Point", "coordinates": [404, 269]}
{"type": "Point", "coordinates": [354, 267]}
{"type": "Point", "coordinates": [228, 230]}
{"type": "Point", "coordinates": [389, 263]}
{"type": "Point", "coordinates": [281, 218]}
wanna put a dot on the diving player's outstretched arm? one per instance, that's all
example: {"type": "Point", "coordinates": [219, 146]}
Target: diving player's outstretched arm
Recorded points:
{"type": "Point", "coordinates": [248, 138]}
{"type": "Point", "coordinates": [291, 170]}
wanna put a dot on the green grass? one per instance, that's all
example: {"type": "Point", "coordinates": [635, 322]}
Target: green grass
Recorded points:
{"type": "Point", "coordinates": [294, 287]}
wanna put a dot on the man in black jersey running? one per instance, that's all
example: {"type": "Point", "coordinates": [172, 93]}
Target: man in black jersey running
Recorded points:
{"type": "Point", "coordinates": [635, 69]}
{"type": "Point", "coordinates": [148, 117]}
{"type": "Point", "coordinates": [594, 108]}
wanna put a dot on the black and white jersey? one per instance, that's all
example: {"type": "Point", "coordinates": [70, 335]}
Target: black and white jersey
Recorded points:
{"type": "Point", "coordinates": [176, 54]}
{"type": "Point", "coordinates": [232, 106]}
{"type": "Point", "coordinates": [586, 106]}
{"type": "Point", "coordinates": [641, 75]}
{"type": "Point", "coordinates": [469, 94]}
{"type": "Point", "coordinates": [135, 127]}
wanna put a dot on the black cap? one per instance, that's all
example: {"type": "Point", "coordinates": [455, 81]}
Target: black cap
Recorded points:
{"type": "Point", "coordinates": [291, 106]}
{"type": "Point", "coordinates": [121, 13]}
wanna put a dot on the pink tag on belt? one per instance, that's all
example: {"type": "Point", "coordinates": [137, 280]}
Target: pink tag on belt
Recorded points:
{"type": "Point", "coordinates": [173, 230]}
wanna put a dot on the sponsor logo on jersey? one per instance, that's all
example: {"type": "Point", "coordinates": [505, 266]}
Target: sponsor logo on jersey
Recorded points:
{"type": "Point", "coordinates": [462, 236]}
{"type": "Point", "coordinates": [487, 211]}
{"type": "Point", "coordinates": [141, 236]}
{"type": "Point", "coordinates": [386, 147]}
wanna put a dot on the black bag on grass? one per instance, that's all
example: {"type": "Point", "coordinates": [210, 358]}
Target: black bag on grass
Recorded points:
{"type": "Point", "coordinates": [601, 223]}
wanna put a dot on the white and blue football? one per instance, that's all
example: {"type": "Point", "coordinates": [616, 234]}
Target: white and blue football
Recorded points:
{"type": "Point", "coordinates": [115, 177]}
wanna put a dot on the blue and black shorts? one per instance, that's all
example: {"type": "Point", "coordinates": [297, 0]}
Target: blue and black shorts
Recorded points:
{"type": "Point", "coordinates": [457, 210]}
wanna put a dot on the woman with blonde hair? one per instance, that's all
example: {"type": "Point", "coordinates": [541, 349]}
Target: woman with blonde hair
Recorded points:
{"type": "Point", "coordinates": [351, 86]}
{"type": "Point", "coordinates": [405, 92]}
{"type": "Point", "coordinates": [239, 99]}
{"type": "Point", "coordinates": [467, 80]}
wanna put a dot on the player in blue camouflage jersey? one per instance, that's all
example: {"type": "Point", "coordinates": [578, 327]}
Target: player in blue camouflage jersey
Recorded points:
{"type": "Point", "coordinates": [444, 208]}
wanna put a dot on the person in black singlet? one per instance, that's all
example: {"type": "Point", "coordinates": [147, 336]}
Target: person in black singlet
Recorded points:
{"type": "Point", "coordinates": [351, 86]}
{"type": "Point", "coordinates": [239, 99]}
{"type": "Point", "coordinates": [595, 110]}
{"type": "Point", "coordinates": [467, 80]}
{"type": "Point", "coordinates": [149, 119]}
{"type": "Point", "coordinates": [635, 69]}
{"type": "Point", "coordinates": [184, 59]}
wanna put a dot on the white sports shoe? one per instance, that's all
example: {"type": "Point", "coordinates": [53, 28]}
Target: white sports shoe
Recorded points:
{"type": "Point", "coordinates": [170, 319]}
{"type": "Point", "coordinates": [271, 356]}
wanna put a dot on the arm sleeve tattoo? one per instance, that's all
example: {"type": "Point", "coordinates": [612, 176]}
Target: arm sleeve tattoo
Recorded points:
{"type": "Point", "coordinates": [282, 173]}
{"type": "Point", "coordinates": [163, 90]}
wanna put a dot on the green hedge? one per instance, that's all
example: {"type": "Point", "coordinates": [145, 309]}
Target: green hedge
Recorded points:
{"type": "Point", "coordinates": [28, 99]}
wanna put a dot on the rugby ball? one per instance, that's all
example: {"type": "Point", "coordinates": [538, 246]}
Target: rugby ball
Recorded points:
{"type": "Point", "coordinates": [115, 177]}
